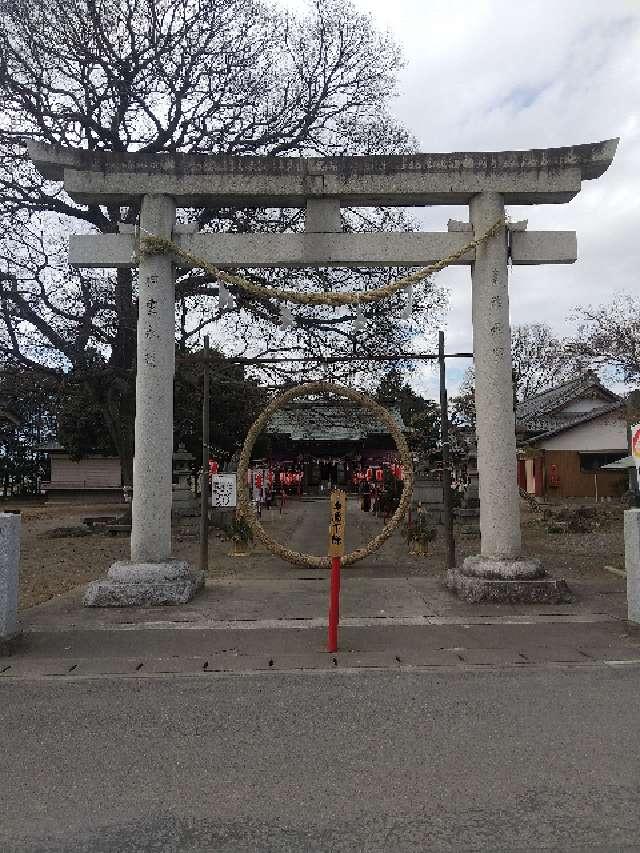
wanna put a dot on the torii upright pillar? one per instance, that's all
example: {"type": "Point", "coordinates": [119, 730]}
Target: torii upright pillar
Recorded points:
{"type": "Point", "coordinates": [495, 423]}
{"type": "Point", "coordinates": [499, 560]}
{"type": "Point", "coordinates": [151, 510]}
{"type": "Point", "coordinates": [152, 577]}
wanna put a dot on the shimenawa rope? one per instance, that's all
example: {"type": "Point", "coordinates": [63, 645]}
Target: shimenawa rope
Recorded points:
{"type": "Point", "coordinates": [153, 245]}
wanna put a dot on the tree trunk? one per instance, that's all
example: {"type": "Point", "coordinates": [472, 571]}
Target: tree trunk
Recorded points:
{"type": "Point", "coordinates": [122, 409]}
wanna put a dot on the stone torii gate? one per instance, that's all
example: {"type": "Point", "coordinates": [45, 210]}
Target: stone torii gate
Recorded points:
{"type": "Point", "coordinates": [157, 184]}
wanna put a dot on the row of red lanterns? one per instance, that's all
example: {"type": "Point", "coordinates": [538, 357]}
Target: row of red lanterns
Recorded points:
{"type": "Point", "coordinates": [285, 478]}
{"type": "Point", "coordinates": [377, 474]}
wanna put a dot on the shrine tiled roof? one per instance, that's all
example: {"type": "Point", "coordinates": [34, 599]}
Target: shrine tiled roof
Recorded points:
{"type": "Point", "coordinates": [543, 413]}
{"type": "Point", "coordinates": [328, 421]}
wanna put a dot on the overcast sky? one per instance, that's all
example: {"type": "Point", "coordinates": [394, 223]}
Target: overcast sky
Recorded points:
{"type": "Point", "coordinates": [489, 75]}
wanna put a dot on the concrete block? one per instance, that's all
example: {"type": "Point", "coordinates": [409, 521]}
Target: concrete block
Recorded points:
{"type": "Point", "coordinates": [145, 585]}
{"type": "Point", "coordinates": [632, 562]}
{"type": "Point", "coordinates": [323, 215]}
{"type": "Point", "coordinates": [9, 562]}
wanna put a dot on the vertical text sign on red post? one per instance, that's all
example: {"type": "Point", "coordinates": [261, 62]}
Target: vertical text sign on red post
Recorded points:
{"type": "Point", "coordinates": [337, 522]}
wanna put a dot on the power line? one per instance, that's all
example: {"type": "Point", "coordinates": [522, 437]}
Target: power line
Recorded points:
{"type": "Point", "coordinates": [332, 359]}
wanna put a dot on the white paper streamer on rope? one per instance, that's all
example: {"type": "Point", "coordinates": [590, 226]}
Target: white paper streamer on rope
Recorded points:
{"type": "Point", "coordinates": [408, 308]}
{"type": "Point", "coordinates": [226, 301]}
{"type": "Point", "coordinates": [359, 321]}
{"type": "Point", "coordinates": [286, 320]}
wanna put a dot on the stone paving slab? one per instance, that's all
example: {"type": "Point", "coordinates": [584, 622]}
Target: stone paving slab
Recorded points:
{"type": "Point", "coordinates": [172, 665]}
{"type": "Point", "coordinates": [295, 599]}
{"type": "Point", "coordinates": [385, 660]}
{"type": "Point", "coordinates": [613, 652]}
{"type": "Point", "coordinates": [238, 663]}
{"type": "Point", "coordinates": [109, 666]}
{"type": "Point", "coordinates": [27, 667]}
{"type": "Point", "coordinates": [155, 652]}
{"type": "Point", "coordinates": [521, 657]}
{"type": "Point", "coordinates": [428, 657]}
{"type": "Point", "coordinates": [261, 625]}
{"type": "Point", "coordinates": [304, 661]}
{"type": "Point", "coordinates": [179, 642]}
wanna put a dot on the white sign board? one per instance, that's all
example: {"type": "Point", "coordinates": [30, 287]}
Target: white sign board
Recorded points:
{"type": "Point", "coordinates": [635, 447]}
{"type": "Point", "coordinates": [223, 490]}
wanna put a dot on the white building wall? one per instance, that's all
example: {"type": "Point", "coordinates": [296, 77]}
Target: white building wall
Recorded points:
{"type": "Point", "coordinates": [601, 434]}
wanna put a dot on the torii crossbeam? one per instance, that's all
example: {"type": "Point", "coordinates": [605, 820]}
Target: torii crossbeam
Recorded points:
{"type": "Point", "coordinates": [158, 183]}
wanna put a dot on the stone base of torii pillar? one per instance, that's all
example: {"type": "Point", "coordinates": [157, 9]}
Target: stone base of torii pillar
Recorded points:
{"type": "Point", "coordinates": [506, 582]}
{"type": "Point", "coordinates": [145, 585]}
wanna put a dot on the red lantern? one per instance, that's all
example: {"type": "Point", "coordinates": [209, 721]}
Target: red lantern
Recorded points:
{"type": "Point", "coordinates": [379, 475]}
{"type": "Point", "coordinates": [258, 480]}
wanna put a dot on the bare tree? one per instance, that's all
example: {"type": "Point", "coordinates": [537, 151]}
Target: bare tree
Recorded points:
{"type": "Point", "coordinates": [233, 77]}
{"type": "Point", "coordinates": [539, 361]}
{"type": "Point", "coordinates": [609, 336]}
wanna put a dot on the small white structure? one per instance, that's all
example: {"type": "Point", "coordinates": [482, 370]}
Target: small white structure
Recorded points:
{"type": "Point", "coordinates": [9, 562]}
{"type": "Point", "coordinates": [632, 562]}
{"type": "Point", "coordinates": [93, 479]}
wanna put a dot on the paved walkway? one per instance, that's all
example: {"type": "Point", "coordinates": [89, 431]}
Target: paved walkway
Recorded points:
{"type": "Point", "coordinates": [275, 619]}
{"type": "Point", "coordinates": [255, 625]}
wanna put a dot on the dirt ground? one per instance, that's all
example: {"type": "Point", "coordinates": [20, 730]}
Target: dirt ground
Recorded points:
{"type": "Point", "coordinates": [52, 564]}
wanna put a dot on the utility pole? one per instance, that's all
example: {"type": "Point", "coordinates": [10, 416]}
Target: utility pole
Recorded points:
{"type": "Point", "coordinates": [204, 479]}
{"type": "Point", "coordinates": [450, 544]}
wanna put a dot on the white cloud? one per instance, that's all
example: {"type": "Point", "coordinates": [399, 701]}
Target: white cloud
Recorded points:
{"type": "Point", "coordinates": [497, 74]}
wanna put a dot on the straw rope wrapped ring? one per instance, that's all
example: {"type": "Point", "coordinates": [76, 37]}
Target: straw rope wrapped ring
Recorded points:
{"type": "Point", "coordinates": [245, 507]}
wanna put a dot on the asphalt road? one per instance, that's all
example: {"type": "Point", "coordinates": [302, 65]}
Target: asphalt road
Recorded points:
{"type": "Point", "coordinates": [326, 761]}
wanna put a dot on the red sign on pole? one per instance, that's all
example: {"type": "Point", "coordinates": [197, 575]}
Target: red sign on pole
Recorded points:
{"type": "Point", "coordinates": [338, 508]}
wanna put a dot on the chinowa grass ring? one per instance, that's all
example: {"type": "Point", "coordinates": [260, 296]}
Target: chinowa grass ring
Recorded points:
{"type": "Point", "coordinates": [245, 506]}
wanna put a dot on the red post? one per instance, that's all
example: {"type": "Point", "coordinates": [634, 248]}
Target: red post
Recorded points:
{"type": "Point", "coordinates": [334, 605]}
